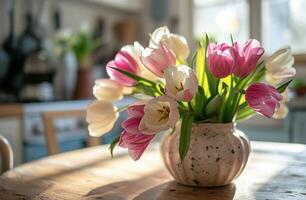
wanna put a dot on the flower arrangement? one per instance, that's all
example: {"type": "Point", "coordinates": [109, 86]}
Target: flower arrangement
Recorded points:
{"type": "Point", "coordinates": [219, 83]}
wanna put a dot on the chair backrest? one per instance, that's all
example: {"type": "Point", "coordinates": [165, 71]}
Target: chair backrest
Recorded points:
{"type": "Point", "coordinates": [6, 155]}
{"type": "Point", "coordinates": [50, 130]}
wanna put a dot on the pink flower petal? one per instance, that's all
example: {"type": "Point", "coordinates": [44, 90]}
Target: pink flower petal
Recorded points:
{"type": "Point", "coordinates": [246, 57]}
{"type": "Point", "coordinates": [263, 98]}
{"type": "Point", "coordinates": [124, 61]}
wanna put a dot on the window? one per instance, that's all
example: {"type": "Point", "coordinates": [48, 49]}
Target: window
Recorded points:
{"type": "Point", "coordinates": [220, 18]}
{"type": "Point", "coordinates": [284, 23]}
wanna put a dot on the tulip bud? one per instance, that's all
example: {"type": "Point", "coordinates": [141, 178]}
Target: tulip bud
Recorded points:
{"type": "Point", "coordinates": [176, 43]}
{"type": "Point", "coordinates": [220, 60]}
{"type": "Point", "coordinates": [181, 83]}
{"type": "Point", "coordinates": [157, 60]}
{"type": "Point", "coordinates": [124, 61]}
{"type": "Point", "coordinates": [160, 114]}
{"type": "Point", "coordinates": [107, 89]}
{"type": "Point", "coordinates": [263, 98]}
{"type": "Point", "coordinates": [101, 116]}
{"type": "Point", "coordinates": [246, 57]}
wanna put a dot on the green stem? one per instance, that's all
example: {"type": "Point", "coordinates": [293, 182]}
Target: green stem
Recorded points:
{"type": "Point", "coordinates": [190, 106]}
{"type": "Point", "coordinates": [236, 105]}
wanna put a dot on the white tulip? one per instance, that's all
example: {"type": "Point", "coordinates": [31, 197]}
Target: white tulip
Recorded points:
{"type": "Point", "coordinates": [280, 66]}
{"type": "Point", "coordinates": [135, 51]}
{"type": "Point", "coordinates": [283, 110]}
{"type": "Point", "coordinates": [101, 116]}
{"type": "Point", "coordinates": [175, 42]}
{"type": "Point", "coordinates": [107, 89]}
{"type": "Point", "coordinates": [181, 83]}
{"type": "Point", "coordinates": [160, 114]}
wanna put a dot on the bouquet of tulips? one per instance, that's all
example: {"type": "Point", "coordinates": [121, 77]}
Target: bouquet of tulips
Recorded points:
{"type": "Point", "coordinates": [219, 83]}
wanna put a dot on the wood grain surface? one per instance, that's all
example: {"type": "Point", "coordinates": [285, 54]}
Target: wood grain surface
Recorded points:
{"type": "Point", "coordinates": [274, 172]}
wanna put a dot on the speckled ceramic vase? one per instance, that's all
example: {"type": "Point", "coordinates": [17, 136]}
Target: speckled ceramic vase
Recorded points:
{"type": "Point", "coordinates": [217, 155]}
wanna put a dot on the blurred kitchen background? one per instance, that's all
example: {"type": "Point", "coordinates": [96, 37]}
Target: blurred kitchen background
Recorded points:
{"type": "Point", "coordinates": [51, 51]}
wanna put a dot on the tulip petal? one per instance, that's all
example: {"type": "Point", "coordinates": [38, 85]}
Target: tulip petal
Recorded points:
{"type": "Point", "coordinates": [280, 66]}
{"type": "Point", "coordinates": [263, 98]}
{"type": "Point", "coordinates": [247, 56]}
{"type": "Point", "coordinates": [101, 116]}
{"type": "Point", "coordinates": [220, 60]}
{"type": "Point", "coordinates": [107, 89]}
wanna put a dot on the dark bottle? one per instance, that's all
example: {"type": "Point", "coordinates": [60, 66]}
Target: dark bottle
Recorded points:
{"type": "Point", "coordinates": [28, 41]}
{"type": "Point", "coordinates": [12, 79]}
{"type": "Point", "coordinates": [4, 62]}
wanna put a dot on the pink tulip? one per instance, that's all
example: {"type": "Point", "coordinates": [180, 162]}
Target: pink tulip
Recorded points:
{"type": "Point", "coordinates": [123, 60]}
{"type": "Point", "coordinates": [246, 57]}
{"type": "Point", "coordinates": [157, 60]}
{"type": "Point", "coordinates": [220, 59]}
{"type": "Point", "coordinates": [263, 98]}
{"type": "Point", "coordinates": [132, 138]}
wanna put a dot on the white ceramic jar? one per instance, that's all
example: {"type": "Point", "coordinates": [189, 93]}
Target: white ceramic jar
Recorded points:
{"type": "Point", "coordinates": [217, 155]}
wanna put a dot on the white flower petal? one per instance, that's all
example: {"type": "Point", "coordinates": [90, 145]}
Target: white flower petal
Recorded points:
{"type": "Point", "coordinates": [101, 116]}
{"type": "Point", "coordinates": [280, 66]}
{"type": "Point", "coordinates": [177, 43]}
{"type": "Point", "coordinates": [181, 83]}
{"type": "Point", "coordinates": [107, 89]}
{"type": "Point", "coordinates": [158, 35]}
{"type": "Point", "coordinates": [154, 120]}
{"type": "Point", "coordinates": [281, 112]}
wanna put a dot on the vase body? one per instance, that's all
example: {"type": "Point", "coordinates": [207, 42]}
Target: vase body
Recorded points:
{"type": "Point", "coordinates": [84, 84]}
{"type": "Point", "coordinates": [217, 155]}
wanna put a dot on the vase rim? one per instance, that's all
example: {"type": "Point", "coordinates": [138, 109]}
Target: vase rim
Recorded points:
{"type": "Point", "coordinates": [215, 125]}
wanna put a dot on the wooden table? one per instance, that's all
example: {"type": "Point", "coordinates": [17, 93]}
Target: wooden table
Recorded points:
{"type": "Point", "coordinates": [275, 171]}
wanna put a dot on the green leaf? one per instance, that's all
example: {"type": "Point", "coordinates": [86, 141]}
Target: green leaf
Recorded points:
{"type": "Point", "coordinates": [113, 144]}
{"type": "Point", "coordinates": [193, 61]}
{"type": "Point", "coordinates": [232, 40]}
{"type": "Point", "coordinates": [283, 86]}
{"type": "Point", "coordinates": [146, 89]}
{"type": "Point", "coordinates": [244, 114]}
{"type": "Point", "coordinates": [185, 134]}
{"type": "Point", "coordinates": [214, 105]}
{"type": "Point", "coordinates": [199, 102]}
{"type": "Point", "coordinates": [134, 76]}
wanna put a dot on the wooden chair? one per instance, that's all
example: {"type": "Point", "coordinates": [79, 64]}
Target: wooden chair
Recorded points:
{"type": "Point", "coordinates": [50, 131]}
{"type": "Point", "coordinates": [6, 153]}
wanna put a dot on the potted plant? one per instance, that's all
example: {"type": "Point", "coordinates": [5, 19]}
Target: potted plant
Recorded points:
{"type": "Point", "coordinates": [195, 103]}
{"type": "Point", "coordinates": [82, 44]}
{"type": "Point", "coordinates": [300, 87]}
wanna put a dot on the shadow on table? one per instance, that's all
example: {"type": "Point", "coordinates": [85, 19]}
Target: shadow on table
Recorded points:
{"type": "Point", "coordinates": [174, 191]}
{"type": "Point", "coordinates": [289, 183]}
{"type": "Point", "coordinates": [165, 191]}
